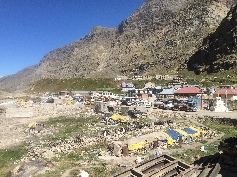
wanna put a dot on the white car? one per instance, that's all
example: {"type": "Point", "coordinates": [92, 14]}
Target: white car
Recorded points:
{"type": "Point", "coordinates": [148, 104]}
{"type": "Point", "coordinates": [168, 105]}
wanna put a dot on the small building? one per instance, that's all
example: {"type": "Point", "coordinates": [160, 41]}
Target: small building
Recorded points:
{"type": "Point", "coordinates": [208, 90]}
{"type": "Point", "coordinates": [175, 84]}
{"type": "Point", "coordinates": [143, 93]}
{"type": "Point", "coordinates": [166, 93]}
{"type": "Point", "coordinates": [191, 85]}
{"type": "Point", "coordinates": [64, 93]}
{"type": "Point", "coordinates": [188, 92]}
{"type": "Point", "coordinates": [157, 90]}
{"type": "Point", "coordinates": [176, 78]}
{"type": "Point", "coordinates": [226, 93]}
{"type": "Point", "coordinates": [119, 78]}
{"type": "Point", "coordinates": [105, 93]}
{"type": "Point", "coordinates": [225, 87]}
{"type": "Point", "coordinates": [160, 77]}
{"type": "Point", "coordinates": [147, 77]}
{"type": "Point", "coordinates": [127, 86]}
{"type": "Point", "coordinates": [137, 77]}
{"type": "Point", "coordinates": [149, 85]}
{"type": "Point", "coordinates": [82, 93]}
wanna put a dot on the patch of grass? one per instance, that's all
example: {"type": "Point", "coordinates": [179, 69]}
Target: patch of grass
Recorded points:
{"type": "Point", "coordinates": [101, 170]}
{"type": "Point", "coordinates": [89, 84]}
{"type": "Point", "coordinates": [66, 127]}
{"type": "Point", "coordinates": [229, 130]}
{"type": "Point", "coordinates": [203, 141]}
{"type": "Point", "coordinates": [190, 155]}
{"type": "Point", "coordinates": [74, 172]}
{"type": "Point", "coordinates": [8, 157]}
{"type": "Point", "coordinates": [176, 146]}
{"type": "Point", "coordinates": [70, 126]}
{"type": "Point", "coordinates": [56, 85]}
{"type": "Point", "coordinates": [225, 77]}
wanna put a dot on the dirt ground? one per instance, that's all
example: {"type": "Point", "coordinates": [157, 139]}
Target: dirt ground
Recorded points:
{"type": "Point", "coordinates": [13, 129]}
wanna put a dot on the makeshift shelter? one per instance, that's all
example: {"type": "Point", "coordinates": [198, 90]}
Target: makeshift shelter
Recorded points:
{"type": "Point", "coordinates": [173, 135]}
{"type": "Point", "coordinates": [69, 102]}
{"type": "Point", "coordinates": [230, 94]}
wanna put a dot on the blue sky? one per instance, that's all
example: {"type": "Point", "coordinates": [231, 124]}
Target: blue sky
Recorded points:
{"type": "Point", "coordinates": [29, 29]}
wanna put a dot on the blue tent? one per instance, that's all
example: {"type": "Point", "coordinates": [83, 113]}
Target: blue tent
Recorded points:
{"type": "Point", "coordinates": [173, 134]}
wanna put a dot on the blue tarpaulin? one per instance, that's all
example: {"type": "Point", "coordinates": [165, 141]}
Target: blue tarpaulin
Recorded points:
{"type": "Point", "coordinates": [173, 134]}
{"type": "Point", "coordinates": [189, 131]}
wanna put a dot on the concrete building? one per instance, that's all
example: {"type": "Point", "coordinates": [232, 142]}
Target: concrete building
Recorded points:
{"type": "Point", "coordinates": [226, 93]}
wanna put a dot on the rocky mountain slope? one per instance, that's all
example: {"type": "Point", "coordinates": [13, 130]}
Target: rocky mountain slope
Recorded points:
{"type": "Point", "coordinates": [219, 50]}
{"type": "Point", "coordinates": [160, 37]}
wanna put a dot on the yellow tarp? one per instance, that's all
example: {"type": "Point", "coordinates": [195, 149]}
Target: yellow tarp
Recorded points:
{"type": "Point", "coordinates": [137, 146]}
{"type": "Point", "coordinates": [32, 124]}
{"type": "Point", "coordinates": [199, 131]}
{"type": "Point", "coordinates": [182, 132]}
{"type": "Point", "coordinates": [169, 139]}
{"type": "Point", "coordinates": [21, 101]}
{"type": "Point", "coordinates": [118, 117]}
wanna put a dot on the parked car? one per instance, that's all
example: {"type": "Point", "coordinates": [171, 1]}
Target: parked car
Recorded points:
{"type": "Point", "coordinates": [148, 104]}
{"type": "Point", "coordinates": [169, 104]}
{"type": "Point", "coordinates": [158, 103]}
{"type": "Point", "coordinates": [179, 105]}
{"type": "Point", "coordinates": [135, 113]}
{"type": "Point", "coordinates": [50, 100]}
{"type": "Point", "coordinates": [136, 102]}
{"type": "Point", "coordinates": [36, 100]}
{"type": "Point", "coordinates": [126, 102]}
{"type": "Point", "coordinates": [192, 106]}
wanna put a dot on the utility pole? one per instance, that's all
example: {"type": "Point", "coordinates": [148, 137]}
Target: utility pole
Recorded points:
{"type": "Point", "coordinates": [226, 99]}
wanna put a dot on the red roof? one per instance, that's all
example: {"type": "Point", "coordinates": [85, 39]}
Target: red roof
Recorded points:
{"type": "Point", "coordinates": [226, 91]}
{"type": "Point", "coordinates": [188, 90]}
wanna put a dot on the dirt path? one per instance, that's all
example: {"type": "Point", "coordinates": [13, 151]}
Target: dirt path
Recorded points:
{"type": "Point", "coordinates": [13, 130]}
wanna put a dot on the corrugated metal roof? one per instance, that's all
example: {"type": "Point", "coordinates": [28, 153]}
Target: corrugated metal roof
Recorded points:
{"type": "Point", "coordinates": [190, 90]}
{"type": "Point", "coordinates": [159, 87]}
{"type": "Point", "coordinates": [169, 91]}
{"type": "Point", "coordinates": [226, 91]}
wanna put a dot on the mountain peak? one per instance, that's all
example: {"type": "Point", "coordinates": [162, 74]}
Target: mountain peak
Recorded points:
{"type": "Point", "coordinates": [160, 36]}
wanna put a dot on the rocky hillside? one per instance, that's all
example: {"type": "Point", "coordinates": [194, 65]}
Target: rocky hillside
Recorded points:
{"type": "Point", "coordinates": [160, 37]}
{"type": "Point", "coordinates": [219, 50]}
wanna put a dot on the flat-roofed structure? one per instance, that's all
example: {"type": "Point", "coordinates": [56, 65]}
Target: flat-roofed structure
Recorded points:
{"type": "Point", "coordinates": [163, 165]}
